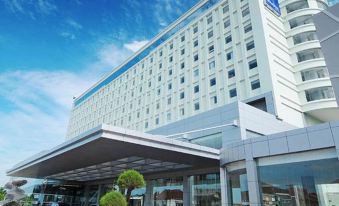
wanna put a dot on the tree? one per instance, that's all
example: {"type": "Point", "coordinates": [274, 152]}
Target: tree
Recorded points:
{"type": "Point", "coordinates": [2, 193]}
{"type": "Point", "coordinates": [113, 198]}
{"type": "Point", "coordinates": [130, 180]}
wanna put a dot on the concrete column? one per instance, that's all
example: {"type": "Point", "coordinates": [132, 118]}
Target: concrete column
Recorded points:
{"type": "Point", "coordinates": [149, 193]}
{"type": "Point", "coordinates": [224, 184]}
{"type": "Point", "coordinates": [187, 184]}
{"type": "Point", "coordinates": [253, 183]}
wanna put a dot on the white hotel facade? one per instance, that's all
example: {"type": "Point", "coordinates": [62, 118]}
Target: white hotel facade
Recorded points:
{"type": "Point", "coordinates": [208, 109]}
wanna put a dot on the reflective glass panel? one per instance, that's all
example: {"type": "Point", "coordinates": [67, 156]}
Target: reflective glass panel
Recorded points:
{"type": "Point", "coordinates": [206, 190]}
{"type": "Point", "coordinates": [168, 192]}
{"type": "Point", "coordinates": [238, 187]}
{"type": "Point", "coordinates": [308, 183]}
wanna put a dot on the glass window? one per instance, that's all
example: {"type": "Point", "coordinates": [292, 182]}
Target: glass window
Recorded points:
{"type": "Point", "coordinates": [169, 100]}
{"type": "Point", "coordinates": [182, 111]}
{"type": "Point", "coordinates": [170, 72]}
{"type": "Point", "coordinates": [309, 54]}
{"type": "Point", "coordinates": [238, 187]}
{"type": "Point", "coordinates": [182, 80]}
{"type": "Point", "coordinates": [211, 49]}
{"type": "Point", "coordinates": [229, 56]}
{"type": "Point", "coordinates": [248, 28]}
{"type": "Point", "coordinates": [211, 65]}
{"type": "Point", "coordinates": [231, 73]}
{"type": "Point", "coordinates": [169, 86]}
{"type": "Point", "coordinates": [182, 65]}
{"type": "Point", "coordinates": [225, 9]}
{"type": "Point", "coordinates": [214, 100]}
{"type": "Point", "coordinates": [182, 95]}
{"type": "Point", "coordinates": [196, 106]}
{"type": "Point", "coordinates": [171, 46]}
{"type": "Point", "coordinates": [233, 93]}
{"type": "Point", "coordinates": [195, 29]}
{"type": "Point", "coordinates": [170, 59]}
{"type": "Point", "coordinates": [228, 39]}
{"type": "Point", "coordinates": [245, 11]}
{"type": "Point", "coordinates": [210, 34]}
{"type": "Point", "coordinates": [209, 20]}
{"type": "Point", "coordinates": [304, 37]}
{"type": "Point", "coordinates": [182, 38]}
{"type": "Point", "coordinates": [213, 82]}
{"type": "Point", "coordinates": [255, 84]}
{"type": "Point", "coordinates": [250, 45]}
{"type": "Point", "coordinates": [168, 191]}
{"type": "Point", "coordinates": [196, 57]}
{"type": "Point", "coordinates": [196, 89]}
{"type": "Point", "coordinates": [301, 183]}
{"type": "Point", "coordinates": [182, 51]}
{"type": "Point", "coordinates": [252, 64]}
{"type": "Point", "coordinates": [315, 73]}
{"type": "Point", "coordinates": [319, 93]}
{"type": "Point", "coordinates": [211, 140]}
{"type": "Point", "coordinates": [196, 73]}
{"type": "Point", "coordinates": [157, 120]}
{"type": "Point", "coordinates": [296, 6]}
{"type": "Point", "coordinates": [206, 190]}
{"type": "Point", "coordinates": [227, 23]}
{"type": "Point", "coordinates": [300, 20]}
{"type": "Point", "coordinates": [195, 43]}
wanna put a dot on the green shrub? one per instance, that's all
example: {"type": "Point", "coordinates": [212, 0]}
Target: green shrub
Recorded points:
{"type": "Point", "coordinates": [113, 198]}
{"type": "Point", "coordinates": [130, 180]}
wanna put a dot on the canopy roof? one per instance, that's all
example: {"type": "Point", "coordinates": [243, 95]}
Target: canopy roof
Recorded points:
{"type": "Point", "coordinates": [105, 151]}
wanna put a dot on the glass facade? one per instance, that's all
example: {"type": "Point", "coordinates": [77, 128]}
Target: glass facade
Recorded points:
{"type": "Point", "coordinates": [238, 187]}
{"type": "Point", "coordinates": [206, 190]}
{"type": "Point", "coordinates": [168, 192]}
{"type": "Point", "coordinates": [308, 183]}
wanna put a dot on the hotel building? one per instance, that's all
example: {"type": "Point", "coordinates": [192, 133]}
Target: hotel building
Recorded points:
{"type": "Point", "coordinates": [231, 104]}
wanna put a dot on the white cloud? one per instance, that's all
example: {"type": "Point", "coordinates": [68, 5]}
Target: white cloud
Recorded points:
{"type": "Point", "coordinates": [68, 35]}
{"type": "Point", "coordinates": [136, 45]}
{"type": "Point", "coordinates": [30, 7]}
{"type": "Point", "coordinates": [74, 24]}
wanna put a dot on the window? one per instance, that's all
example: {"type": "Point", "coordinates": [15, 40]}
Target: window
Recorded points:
{"type": "Point", "coordinates": [182, 95]}
{"type": "Point", "coordinates": [196, 57]}
{"type": "Point", "coordinates": [182, 65]}
{"type": "Point", "coordinates": [147, 111]}
{"type": "Point", "coordinates": [300, 20]}
{"type": "Point", "coordinates": [304, 37]}
{"type": "Point", "coordinates": [231, 73]}
{"type": "Point", "coordinates": [196, 73]}
{"type": "Point", "coordinates": [196, 89]}
{"type": "Point", "coordinates": [229, 56]}
{"type": "Point", "coordinates": [182, 111]}
{"type": "Point", "coordinates": [225, 9]}
{"type": "Point", "coordinates": [182, 38]}
{"type": "Point", "coordinates": [195, 43]}
{"type": "Point", "coordinates": [169, 117]}
{"type": "Point", "coordinates": [211, 49]}
{"type": "Point", "coordinates": [252, 64]}
{"type": "Point", "coordinates": [319, 93]}
{"type": "Point", "coordinates": [315, 73]}
{"type": "Point", "coordinates": [250, 45]}
{"type": "Point", "coordinates": [213, 82]}
{"type": "Point", "coordinates": [209, 19]}
{"type": "Point", "coordinates": [210, 34]}
{"type": "Point", "coordinates": [248, 28]}
{"type": "Point", "coordinates": [228, 39]}
{"type": "Point", "coordinates": [196, 106]}
{"type": "Point", "coordinates": [182, 51]}
{"type": "Point", "coordinates": [296, 6]}
{"type": "Point", "coordinates": [255, 84]}
{"type": "Point", "coordinates": [159, 78]}
{"type": "Point", "coordinates": [245, 11]}
{"type": "Point", "coordinates": [157, 120]}
{"type": "Point", "coordinates": [146, 125]}
{"type": "Point", "coordinates": [309, 54]}
{"type": "Point", "coordinates": [182, 80]}
{"type": "Point", "coordinates": [211, 65]}
{"type": "Point", "coordinates": [160, 54]}
{"type": "Point", "coordinates": [195, 30]}
{"type": "Point", "coordinates": [158, 105]}
{"type": "Point", "coordinates": [169, 86]}
{"type": "Point", "coordinates": [227, 23]}
{"type": "Point", "coordinates": [149, 84]}
{"type": "Point", "coordinates": [214, 100]}
{"type": "Point", "coordinates": [158, 92]}
{"type": "Point", "coordinates": [170, 59]}
{"type": "Point", "coordinates": [233, 93]}
{"type": "Point", "coordinates": [170, 72]}
{"type": "Point", "coordinates": [171, 46]}
{"type": "Point", "coordinates": [160, 65]}
{"type": "Point", "coordinates": [151, 60]}
{"type": "Point", "coordinates": [169, 101]}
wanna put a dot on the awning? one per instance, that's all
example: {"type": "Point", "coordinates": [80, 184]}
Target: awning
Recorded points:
{"type": "Point", "coordinates": [106, 151]}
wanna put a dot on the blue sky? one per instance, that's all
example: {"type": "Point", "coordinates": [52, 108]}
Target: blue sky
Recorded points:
{"type": "Point", "coordinates": [52, 50]}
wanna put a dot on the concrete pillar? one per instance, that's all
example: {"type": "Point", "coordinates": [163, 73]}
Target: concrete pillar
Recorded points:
{"type": "Point", "coordinates": [149, 193]}
{"type": "Point", "coordinates": [187, 185]}
{"type": "Point", "coordinates": [253, 183]}
{"type": "Point", "coordinates": [224, 184]}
